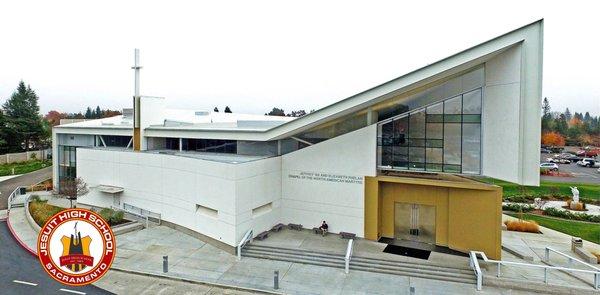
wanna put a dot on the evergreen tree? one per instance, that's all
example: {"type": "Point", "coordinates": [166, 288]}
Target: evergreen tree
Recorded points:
{"type": "Point", "coordinates": [560, 124]}
{"type": "Point", "coordinates": [4, 133]}
{"type": "Point", "coordinates": [276, 112]}
{"type": "Point", "coordinates": [546, 116]}
{"type": "Point", "coordinates": [227, 110]}
{"type": "Point", "coordinates": [88, 113]}
{"type": "Point", "coordinates": [22, 117]}
{"type": "Point", "coordinates": [587, 118]}
{"type": "Point", "coordinates": [98, 113]}
{"type": "Point", "coordinates": [568, 115]}
{"type": "Point", "coordinates": [216, 110]}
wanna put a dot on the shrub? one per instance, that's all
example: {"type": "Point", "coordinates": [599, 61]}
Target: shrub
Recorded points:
{"type": "Point", "coordinates": [111, 216]}
{"type": "Point", "coordinates": [522, 226]}
{"type": "Point", "coordinates": [520, 199]}
{"type": "Point", "coordinates": [517, 207]}
{"type": "Point", "coordinates": [35, 198]}
{"type": "Point", "coordinates": [41, 211]}
{"type": "Point", "coordinates": [554, 212]}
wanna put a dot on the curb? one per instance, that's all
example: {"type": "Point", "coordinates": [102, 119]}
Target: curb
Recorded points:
{"type": "Point", "coordinates": [16, 237]}
{"type": "Point", "coordinates": [225, 286]}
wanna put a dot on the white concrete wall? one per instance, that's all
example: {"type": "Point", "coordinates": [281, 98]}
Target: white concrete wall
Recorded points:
{"type": "Point", "coordinates": [151, 113]}
{"type": "Point", "coordinates": [512, 110]}
{"type": "Point", "coordinates": [309, 201]}
{"type": "Point", "coordinates": [173, 185]}
{"type": "Point", "coordinates": [257, 183]}
{"type": "Point", "coordinates": [500, 116]}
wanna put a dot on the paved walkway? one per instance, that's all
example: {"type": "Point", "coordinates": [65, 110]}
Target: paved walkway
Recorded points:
{"type": "Point", "coordinates": [534, 245]}
{"type": "Point", "coordinates": [22, 228]}
{"type": "Point", "coordinates": [9, 185]}
{"type": "Point", "coordinates": [190, 258]}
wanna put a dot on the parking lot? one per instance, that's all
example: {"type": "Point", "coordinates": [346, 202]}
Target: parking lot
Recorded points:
{"type": "Point", "coordinates": [580, 174]}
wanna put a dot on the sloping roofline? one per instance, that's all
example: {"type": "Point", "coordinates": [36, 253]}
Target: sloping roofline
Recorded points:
{"type": "Point", "coordinates": [440, 69]}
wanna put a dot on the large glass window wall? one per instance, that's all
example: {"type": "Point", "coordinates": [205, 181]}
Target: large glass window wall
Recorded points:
{"type": "Point", "coordinates": [442, 137]}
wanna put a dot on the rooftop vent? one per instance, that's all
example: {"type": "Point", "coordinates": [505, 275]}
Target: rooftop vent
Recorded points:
{"type": "Point", "coordinates": [127, 114]}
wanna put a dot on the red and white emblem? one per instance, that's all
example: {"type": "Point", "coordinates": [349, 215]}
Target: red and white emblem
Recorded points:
{"type": "Point", "coordinates": [76, 247]}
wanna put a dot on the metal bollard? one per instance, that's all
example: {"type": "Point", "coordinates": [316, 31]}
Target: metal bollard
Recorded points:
{"type": "Point", "coordinates": [412, 290]}
{"type": "Point", "coordinates": [166, 263]}
{"type": "Point", "coordinates": [276, 280]}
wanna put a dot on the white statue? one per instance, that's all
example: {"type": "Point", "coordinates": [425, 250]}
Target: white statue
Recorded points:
{"type": "Point", "coordinates": [575, 193]}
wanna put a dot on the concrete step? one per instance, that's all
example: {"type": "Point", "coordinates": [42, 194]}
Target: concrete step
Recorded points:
{"type": "Point", "coordinates": [292, 256]}
{"type": "Point", "coordinates": [127, 228]}
{"type": "Point", "coordinates": [357, 259]}
{"type": "Point", "coordinates": [410, 269]}
{"type": "Point", "coordinates": [398, 268]}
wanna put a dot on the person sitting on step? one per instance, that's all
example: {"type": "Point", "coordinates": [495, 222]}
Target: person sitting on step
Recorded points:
{"type": "Point", "coordinates": [324, 227]}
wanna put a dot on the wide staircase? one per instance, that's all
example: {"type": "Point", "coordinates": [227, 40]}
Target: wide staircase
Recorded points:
{"type": "Point", "coordinates": [401, 268]}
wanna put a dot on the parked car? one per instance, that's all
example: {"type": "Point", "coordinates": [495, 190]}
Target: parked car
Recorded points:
{"type": "Point", "coordinates": [588, 152]}
{"type": "Point", "coordinates": [558, 159]}
{"type": "Point", "coordinates": [572, 158]}
{"type": "Point", "coordinates": [549, 166]}
{"type": "Point", "coordinates": [598, 170]}
{"type": "Point", "coordinates": [545, 151]}
{"type": "Point", "coordinates": [588, 162]}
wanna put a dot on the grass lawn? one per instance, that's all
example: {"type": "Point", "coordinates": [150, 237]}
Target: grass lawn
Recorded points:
{"type": "Point", "coordinates": [546, 188]}
{"type": "Point", "coordinates": [24, 167]}
{"type": "Point", "coordinates": [587, 231]}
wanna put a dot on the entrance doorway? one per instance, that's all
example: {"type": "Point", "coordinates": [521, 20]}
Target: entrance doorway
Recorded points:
{"type": "Point", "coordinates": [414, 222]}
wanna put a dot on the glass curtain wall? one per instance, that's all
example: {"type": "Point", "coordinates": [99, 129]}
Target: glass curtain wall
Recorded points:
{"type": "Point", "coordinates": [67, 168]}
{"type": "Point", "coordinates": [442, 137]}
{"type": "Point", "coordinates": [209, 145]}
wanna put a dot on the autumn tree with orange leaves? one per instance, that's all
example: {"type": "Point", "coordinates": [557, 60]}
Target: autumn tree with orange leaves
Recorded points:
{"type": "Point", "coordinates": [553, 139]}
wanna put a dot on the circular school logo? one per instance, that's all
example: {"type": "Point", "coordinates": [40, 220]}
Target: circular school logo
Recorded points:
{"type": "Point", "coordinates": [76, 247]}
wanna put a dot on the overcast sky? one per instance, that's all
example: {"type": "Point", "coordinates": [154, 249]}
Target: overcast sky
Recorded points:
{"type": "Point", "coordinates": [253, 55]}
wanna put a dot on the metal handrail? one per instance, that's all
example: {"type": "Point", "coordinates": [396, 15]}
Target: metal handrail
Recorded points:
{"type": "Point", "coordinates": [247, 237]}
{"type": "Point", "coordinates": [348, 256]}
{"type": "Point", "coordinates": [12, 196]}
{"type": "Point", "coordinates": [141, 212]}
{"type": "Point", "coordinates": [571, 258]}
{"type": "Point", "coordinates": [474, 263]}
{"type": "Point", "coordinates": [545, 267]}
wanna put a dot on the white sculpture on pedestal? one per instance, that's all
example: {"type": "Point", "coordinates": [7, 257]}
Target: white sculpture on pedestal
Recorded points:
{"type": "Point", "coordinates": [575, 193]}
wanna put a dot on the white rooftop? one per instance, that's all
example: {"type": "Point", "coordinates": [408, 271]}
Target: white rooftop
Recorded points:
{"type": "Point", "coordinates": [190, 120]}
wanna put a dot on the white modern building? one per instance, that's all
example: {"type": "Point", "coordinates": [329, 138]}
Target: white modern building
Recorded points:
{"type": "Point", "coordinates": [220, 174]}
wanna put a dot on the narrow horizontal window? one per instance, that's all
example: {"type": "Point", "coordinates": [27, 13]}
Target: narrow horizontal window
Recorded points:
{"type": "Point", "coordinates": [207, 211]}
{"type": "Point", "coordinates": [258, 211]}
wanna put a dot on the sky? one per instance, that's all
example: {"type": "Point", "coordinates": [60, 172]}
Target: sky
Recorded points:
{"type": "Point", "coordinates": [256, 55]}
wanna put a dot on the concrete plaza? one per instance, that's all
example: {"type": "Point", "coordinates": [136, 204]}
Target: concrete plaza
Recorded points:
{"type": "Point", "coordinates": [191, 259]}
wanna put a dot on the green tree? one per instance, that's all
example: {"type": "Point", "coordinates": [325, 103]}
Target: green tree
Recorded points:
{"type": "Point", "coordinates": [560, 124]}
{"type": "Point", "coordinates": [276, 112]}
{"type": "Point", "coordinates": [22, 117]}
{"type": "Point", "coordinates": [88, 113]}
{"type": "Point", "coordinates": [546, 116]}
{"type": "Point", "coordinates": [568, 115]}
{"type": "Point", "coordinates": [98, 113]}
{"type": "Point", "coordinates": [227, 110]}
{"type": "Point", "coordinates": [4, 132]}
